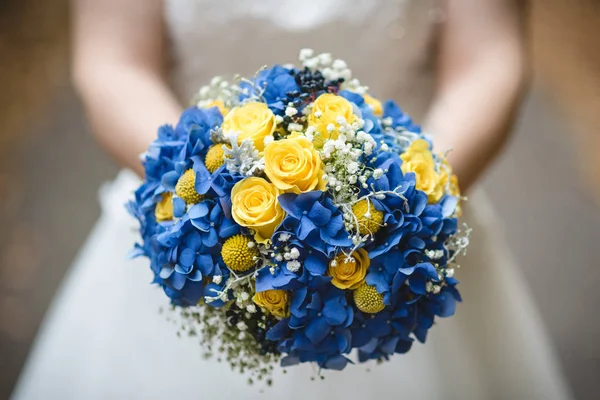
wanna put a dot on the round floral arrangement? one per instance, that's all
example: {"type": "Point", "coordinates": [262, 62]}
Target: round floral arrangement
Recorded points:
{"type": "Point", "coordinates": [293, 217]}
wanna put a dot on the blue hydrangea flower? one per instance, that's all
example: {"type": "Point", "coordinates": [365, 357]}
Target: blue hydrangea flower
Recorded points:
{"type": "Point", "coordinates": [222, 181]}
{"type": "Point", "coordinates": [276, 82]}
{"type": "Point", "coordinates": [195, 125]}
{"type": "Point", "coordinates": [213, 226]}
{"type": "Point", "coordinates": [399, 118]}
{"type": "Point", "coordinates": [314, 219]}
{"type": "Point", "coordinates": [319, 328]}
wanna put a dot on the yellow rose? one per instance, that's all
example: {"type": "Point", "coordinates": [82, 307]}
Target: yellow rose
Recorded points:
{"type": "Point", "coordinates": [252, 121]}
{"type": "Point", "coordinates": [254, 205]}
{"type": "Point", "coordinates": [349, 272]}
{"type": "Point", "coordinates": [325, 111]}
{"type": "Point", "coordinates": [275, 301]}
{"type": "Point", "coordinates": [293, 165]}
{"type": "Point", "coordinates": [374, 104]}
{"type": "Point", "coordinates": [219, 104]}
{"type": "Point", "coordinates": [418, 159]}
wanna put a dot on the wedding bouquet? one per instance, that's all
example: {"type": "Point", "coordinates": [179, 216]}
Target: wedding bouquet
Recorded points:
{"type": "Point", "coordinates": [293, 217]}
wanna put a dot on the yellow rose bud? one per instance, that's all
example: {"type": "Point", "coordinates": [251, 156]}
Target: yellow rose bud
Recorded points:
{"type": "Point", "coordinates": [252, 121]}
{"type": "Point", "coordinates": [219, 104]}
{"type": "Point", "coordinates": [348, 272]}
{"type": "Point", "coordinates": [164, 208]}
{"type": "Point", "coordinates": [326, 109]}
{"type": "Point", "coordinates": [418, 159]}
{"type": "Point", "coordinates": [293, 165]}
{"type": "Point", "coordinates": [255, 206]}
{"type": "Point", "coordinates": [374, 104]}
{"type": "Point", "coordinates": [274, 301]}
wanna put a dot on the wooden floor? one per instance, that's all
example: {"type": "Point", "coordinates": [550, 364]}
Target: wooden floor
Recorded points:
{"type": "Point", "coordinates": [50, 170]}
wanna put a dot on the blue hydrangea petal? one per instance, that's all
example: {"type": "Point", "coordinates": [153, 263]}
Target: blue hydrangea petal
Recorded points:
{"type": "Point", "coordinates": [315, 303]}
{"type": "Point", "coordinates": [210, 238]}
{"type": "Point", "coordinates": [334, 312]}
{"type": "Point", "coordinates": [187, 256]}
{"type": "Point", "coordinates": [178, 207]}
{"type": "Point", "coordinates": [417, 284]}
{"type": "Point", "coordinates": [319, 215]}
{"type": "Point", "coordinates": [378, 280]}
{"type": "Point", "coordinates": [317, 330]}
{"type": "Point", "coordinates": [166, 272]}
{"type": "Point", "coordinates": [316, 264]}
{"type": "Point", "coordinates": [198, 211]}
{"type": "Point", "coordinates": [289, 361]}
{"type": "Point", "coordinates": [193, 241]}
{"type": "Point", "coordinates": [169, 180]}
{"type": "Point", "coordinates": [279, 331]}
{"type": "Point", "coordinates": [228, 228]}
{"type": "Point", "coordinates": [178, 280]}
{"type": "Point", "coordinates": [447, 304]}
{"type": "Point", "coordinates": [336, 363]}
{"type": "Point", "coordinates": [195, 276]}
{"type": "Point", "coordinates": [288, 204]}
{"type": "Point", "coordinates": [205, 264]}
{"type": "Point", "coordinates": [305, 228]}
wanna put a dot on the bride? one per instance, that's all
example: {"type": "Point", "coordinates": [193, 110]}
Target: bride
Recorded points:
{"type": "Point", "coordinates": [457, 65]}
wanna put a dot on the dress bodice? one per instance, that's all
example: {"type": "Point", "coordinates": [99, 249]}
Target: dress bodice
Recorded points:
{"type": "Point", "coordinates": [388, 44]}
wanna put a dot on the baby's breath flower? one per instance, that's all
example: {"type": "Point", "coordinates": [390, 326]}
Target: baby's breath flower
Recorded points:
{"type": "Point", "coordinates": [290, 111]}
{"type": "Point", "coordinates": [294, 127]}
{"type": "Point", "coordinates": [352, 167]}
{"type": "Point", "coordinates": [306, 54]}
{"type": "Point", "coordinates": [377, 173]}
{"type": "Point", "coordinates": [251, 308]}
{"type": "Point", "coordinates": [294, 253]}
{"type": "Point", "coordinates": [293, 265]}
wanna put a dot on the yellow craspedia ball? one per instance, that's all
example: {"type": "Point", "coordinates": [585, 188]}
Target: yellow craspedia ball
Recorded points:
{"type": "Point", "coordinates": [238, 254]}
{"type": "Point", "coordinates": [185, 187]}
{"type": "Point", "coordinates": [368, 299]}
{"type": "Point", "coordinates": [369, 218]}
{"type": "Point", "coordinates": [164, 208]}
{"type": "Point", "coordinates": [215, 157]}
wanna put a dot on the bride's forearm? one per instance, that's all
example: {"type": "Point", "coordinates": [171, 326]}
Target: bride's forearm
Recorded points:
{"type": "Point", "coordinates": [480, 79]}
{"type": "Point", "coordinates": [473, 115]}
{"type": "Point", "coordinates": [125, 106]}
{"type": "Point", "coordinates": [118, 68]}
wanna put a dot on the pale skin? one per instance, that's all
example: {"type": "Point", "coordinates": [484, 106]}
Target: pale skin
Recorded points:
{"type": "Point", "coordinates": [119, 72]}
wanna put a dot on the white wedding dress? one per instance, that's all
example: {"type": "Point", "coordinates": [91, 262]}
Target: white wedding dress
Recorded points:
{"type": "Point", "coordinates": [103, 337]}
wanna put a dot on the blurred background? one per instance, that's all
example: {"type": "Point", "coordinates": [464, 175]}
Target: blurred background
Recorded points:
{"type": "Point", "coordinates": [546, 186]}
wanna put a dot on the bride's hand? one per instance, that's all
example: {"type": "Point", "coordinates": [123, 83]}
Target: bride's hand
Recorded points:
{"type": "Point", "coordinates": [480, 77]}
{"type": "Point", "coordinates": [118, 71]}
